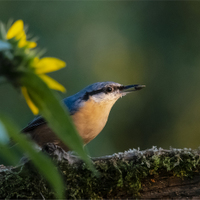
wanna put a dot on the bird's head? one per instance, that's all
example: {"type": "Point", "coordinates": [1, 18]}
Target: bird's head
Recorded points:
{"type": "Point", "coordinates": [108, 91]}
{"type": "Point", "coordinates": [101, 93]}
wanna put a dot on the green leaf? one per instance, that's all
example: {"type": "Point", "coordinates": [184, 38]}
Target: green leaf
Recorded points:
{"type": "Point", "coordinates": [42, 162]}
{"type": "Point", "coordinates": [8, 155]}
{"type": "Point", "coordinates": [55, 113]}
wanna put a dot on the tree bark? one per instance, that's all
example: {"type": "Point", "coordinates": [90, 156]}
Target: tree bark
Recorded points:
{"type": "Point", "coordinates": [153, 173]}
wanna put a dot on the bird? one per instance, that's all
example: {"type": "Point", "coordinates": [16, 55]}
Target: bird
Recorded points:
{"type": "Point", "coordinates": [89, 110]}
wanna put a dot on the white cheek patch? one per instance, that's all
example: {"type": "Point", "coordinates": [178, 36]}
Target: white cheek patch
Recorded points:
{"type": "Point", "coordinates": [106, 97]}
{"type": "Point", "coordinates": [99, 97]}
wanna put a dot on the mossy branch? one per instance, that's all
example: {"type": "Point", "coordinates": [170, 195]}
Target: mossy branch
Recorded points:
{"type": "Point", "coordinates": [153, 173]}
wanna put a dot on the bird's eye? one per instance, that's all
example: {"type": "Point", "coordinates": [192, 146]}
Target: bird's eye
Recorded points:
{"type": "Point", "coordinates": [109, 89]}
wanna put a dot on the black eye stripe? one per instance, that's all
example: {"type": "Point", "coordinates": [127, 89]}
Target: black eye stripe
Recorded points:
{"type": "Point", "coordinates": [88, 94]}
{"type": "Point", "coordinates": [113, 88]}
{"type": "Point", "coordinates": [120, 87]}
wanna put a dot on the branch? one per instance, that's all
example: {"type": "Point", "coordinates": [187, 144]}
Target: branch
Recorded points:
{"type": "Point", "coordinates": [153, 173]}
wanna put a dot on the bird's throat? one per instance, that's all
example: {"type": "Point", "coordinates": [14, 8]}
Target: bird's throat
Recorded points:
{"type": "Point", "coordinates": [91, 118]}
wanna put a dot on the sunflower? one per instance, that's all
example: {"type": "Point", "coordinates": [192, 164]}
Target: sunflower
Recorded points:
{"type": "Point", "coordinates": [17, 37]}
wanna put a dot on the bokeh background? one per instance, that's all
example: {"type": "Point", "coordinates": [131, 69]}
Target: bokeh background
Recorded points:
{"type": "Point", "coordinates": [149, 42]}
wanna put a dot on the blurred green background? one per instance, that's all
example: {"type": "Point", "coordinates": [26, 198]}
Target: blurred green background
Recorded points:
{"type": "Point", "coordinates": [153, 43]}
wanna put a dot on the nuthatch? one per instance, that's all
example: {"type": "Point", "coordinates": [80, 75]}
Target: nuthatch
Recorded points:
{"type": "Point", "coordinates": [89, 110]}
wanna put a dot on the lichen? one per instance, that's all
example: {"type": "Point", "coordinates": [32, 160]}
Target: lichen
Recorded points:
{"type": "Point", "coordinates": [121, 176]}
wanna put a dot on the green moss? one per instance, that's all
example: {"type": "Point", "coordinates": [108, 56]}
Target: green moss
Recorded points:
{"type": "Point", "coordinates": [118, 178]}
{"type": "Point", "coordinates": [24, 183]}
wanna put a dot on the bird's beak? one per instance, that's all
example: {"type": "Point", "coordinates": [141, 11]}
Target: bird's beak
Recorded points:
{"type": "Point", "coordinates": [130, 88]}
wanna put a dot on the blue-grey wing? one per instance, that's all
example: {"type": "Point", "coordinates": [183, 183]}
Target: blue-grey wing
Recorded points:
{"type": "Point", "coordinates": [37, 121]}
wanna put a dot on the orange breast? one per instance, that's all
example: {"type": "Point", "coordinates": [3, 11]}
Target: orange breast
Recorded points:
{"type": "Point", "coordinates": [91, 119]}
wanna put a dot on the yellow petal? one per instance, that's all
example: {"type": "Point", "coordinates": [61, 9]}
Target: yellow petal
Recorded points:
{"type": "Point", "coordinates": [20, 35]}
{"type": "Point", "coordinates": [31, 44]}
{"type": "Point", "coordinates": [53, 84]}
{"type": "Point", "coordinates": [31, 105]}
{"type": "Point", "coordinates": [22, 43]}
{"type": "Point", "coordinates": [15, 29]}
{"type": "Point", "coordinates": [48, 64]}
